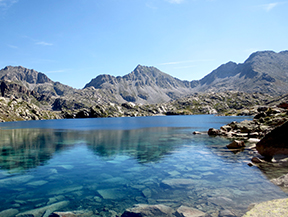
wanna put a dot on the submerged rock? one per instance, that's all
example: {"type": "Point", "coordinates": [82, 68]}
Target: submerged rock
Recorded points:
{"type": "Point", "coordinates": [8, 213]}
{"type": "Point", "coordinates": [143, 210]}
{"type": "Point", "coordinates": [184, 211]}
{"type": "Point", "coordinates": [178, 183]}
{"type": "Point", "coordinates": [44, 211]}
{"type": "Point", "coordinates": [84, 213]}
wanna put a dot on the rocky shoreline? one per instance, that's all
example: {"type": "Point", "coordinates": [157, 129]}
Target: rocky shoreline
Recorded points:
{"type": "Point", "coordinates": [267, 137]}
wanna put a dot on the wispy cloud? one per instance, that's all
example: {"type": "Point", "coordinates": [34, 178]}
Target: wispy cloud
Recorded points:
{"type": "Point", "coordinates": [6, 4]}
{"type": "Point", "coordinates": [176, 1]}
{"type": "Point", "coordinates": [57, 71]}
{"type": "Point", "coordinates": [185, 61]}
{"type": "Point", "coordinates": [44, 43]}
{"type": "Point", "coordinates": [270, 6]}
{"type": "Point", "coordinates": [12, 46]}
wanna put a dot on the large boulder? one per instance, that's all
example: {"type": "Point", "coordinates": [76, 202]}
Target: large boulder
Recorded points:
{"type": "Point", "coordinates": [275, 142]}
{"type": "Point", "coordinates": [143, 210]}
{"type": "Point", "coordinates": [269, 208]}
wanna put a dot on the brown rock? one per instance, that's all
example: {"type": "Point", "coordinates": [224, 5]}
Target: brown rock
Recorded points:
{"type": "Point", "coordinates": [274, 142]}
{"type": "Point", "coordinates": [236, 144]}
{"type": "Point", "coordinates": [143, 210]}
{"type": "Point", "coordinates": [184, 211]}
{"type": "Point", "coordinates": [213, 132]}
{"type": "Point", "coordinates": [256, 160]}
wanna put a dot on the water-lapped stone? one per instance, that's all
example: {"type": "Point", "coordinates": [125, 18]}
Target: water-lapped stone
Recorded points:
{"type": "Point", "coordinates": [8, 213]}
{"type": "Point", "coordinates": [37, 183]}
{"type": "Point", "coordinates": [178, 183]}
{"type": "Point", "coordinates": [221, 201]}
{"type": "Point", "coordinates": [84, 213]}
{"type": "Point", "coordinates": [269, 208]}
{"type": "Point", "coordinates": [184, 211]}
{"type": "Point", "coordinates": [39, 212]}
{"type": "Point", "coordinates": [174, 173]}
{"type": "Point", "coordinates": [65, 190]}
{"type": "Point", "coordinates": [55, 199]}
{"type": "Point", "coordinates": [15, 180]}
{"type": "Point", "coordinates": [112, 193]}
{"type": "Point", "coordinates": [226, 213]}
{"type": "Point", "coordinates": [281, 159]}
{"type": "Point", "coordinates": [144, 210]}
{"type": "Point", "coordinates": [257, 160]}
{"type": "Point", "coordinates": [281, 181]}
{"type": "Point", "coordinates": [236, 144]}
{"type": "Point", "coordinates": [213, 132]}
{"type": "Point", "coordinates": [147, 192]}
{"type": "Point", "coordinates": [67, 167]}
{"type": "Point", "coordinates": [116, 180]}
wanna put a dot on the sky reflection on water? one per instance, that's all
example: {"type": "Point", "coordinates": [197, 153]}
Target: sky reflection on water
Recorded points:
{"type": "Point", "coordinates": [137, 160]}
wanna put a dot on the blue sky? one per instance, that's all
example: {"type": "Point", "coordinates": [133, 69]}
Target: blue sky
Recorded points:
{"type": "Point", "coordinates": [73, 41]}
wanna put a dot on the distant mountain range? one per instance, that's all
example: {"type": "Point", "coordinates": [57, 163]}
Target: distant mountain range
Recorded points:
{"type": "Point", "coordinates": [264, 71]}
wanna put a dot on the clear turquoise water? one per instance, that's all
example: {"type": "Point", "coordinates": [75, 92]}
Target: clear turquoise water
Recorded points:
{"type": "Point", "coordinates": [111, 164]}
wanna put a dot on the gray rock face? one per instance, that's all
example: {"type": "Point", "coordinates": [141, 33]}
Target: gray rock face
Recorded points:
{"type": "Point", "coordinates": [144, 84]}
{"type": "Point", "coordinates": [260, 72]}
{"type": "Point", "coordinates": [264, 72]}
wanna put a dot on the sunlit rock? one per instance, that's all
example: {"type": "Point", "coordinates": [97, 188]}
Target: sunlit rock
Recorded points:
{"type": "Point", "coordinates": [144, 210]}
{"type": "Point", "coordinates": [184, 211]}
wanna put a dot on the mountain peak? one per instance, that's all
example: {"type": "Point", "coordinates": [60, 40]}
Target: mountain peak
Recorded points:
{"type": "Point", "coordinates": [20, 73]}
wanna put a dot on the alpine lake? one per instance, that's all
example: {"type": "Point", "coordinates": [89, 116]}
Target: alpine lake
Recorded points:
{"type": "Point", "coordinates": [110, 164]}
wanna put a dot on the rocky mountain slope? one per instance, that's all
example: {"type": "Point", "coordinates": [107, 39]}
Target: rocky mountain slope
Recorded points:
{"type": "Point", "coordinates": [264, 71]}
{"type": "Point", "coordinates": [143, 85]}
{"type": "Point", "coordinates": [148, 91]}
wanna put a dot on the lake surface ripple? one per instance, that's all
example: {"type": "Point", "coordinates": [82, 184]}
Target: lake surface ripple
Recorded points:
{"type": "Point", "coordinates": [111, 164]}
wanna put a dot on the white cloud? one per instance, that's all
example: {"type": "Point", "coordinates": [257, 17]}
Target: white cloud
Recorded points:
{"type": "Point", "coordinates": [270, 6]}
{"type": "Point", "coordinates": [5, 4]}
{"type": "Point", "coordinates": [186, 61]}
{"type": "Point", "coordinates": [44, 43]}
{"type": "Point", "coordinates": [12, 46]}
{"type": "Point", "coordinates": [176, 1]}
{"type": "Point", "coordinates": [57, 71]}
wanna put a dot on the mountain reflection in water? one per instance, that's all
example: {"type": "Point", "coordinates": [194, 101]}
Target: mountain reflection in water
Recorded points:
{"type": "Point", "coordinates": [111, 168]}
{"type": "Point", "coordinates": [28, 148]}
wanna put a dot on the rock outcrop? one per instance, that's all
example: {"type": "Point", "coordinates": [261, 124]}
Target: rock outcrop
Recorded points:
{"type": "Point", "coordinates": [269, 208]}
{"type": "Point", "coordinates": [275, 142]}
